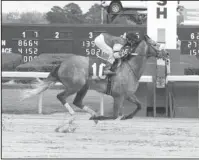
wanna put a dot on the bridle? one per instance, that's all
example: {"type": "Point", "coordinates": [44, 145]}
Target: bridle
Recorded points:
{"type": "Point", "coordinates": [134, 48]}
{"type": "Point", "coordinates": [152, 45]}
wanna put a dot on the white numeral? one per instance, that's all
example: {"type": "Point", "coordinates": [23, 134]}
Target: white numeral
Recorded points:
{"type": "Point", "coordinates": [36, 34]}
{"type": "Point", "coordinates": [193, 52]}
{"type": "Point", "coordinates": [101, 68]}
{"type": "Point", "coordinates": [28, 58]}
{"type": "Point", "coordinates": [189, 44]}
{"type": "Point", "coordinates": [56, 34]}
{"type": "Point", "coordinates": [192, 36]}
{"type": "Point", "coordinates": [197, 35]}
{"type": "Point", "coordinates": [24, 34]}
{"type": "Point", "coordinates": [92, 51]}
{"type": "Point", "coordinates": [90, 34]}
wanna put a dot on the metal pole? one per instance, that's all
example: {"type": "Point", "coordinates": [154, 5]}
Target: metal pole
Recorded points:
{"type": "Point", "coordinates": [40, 103]}
{"type": "Point", "coordinates": [102, 15]}
{"type": "Point", "coordinates": [198, 96]}
{"type": "Point", "coordinates": [102, 105]}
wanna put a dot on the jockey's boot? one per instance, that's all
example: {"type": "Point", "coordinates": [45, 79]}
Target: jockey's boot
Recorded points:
{"type": "Point", "coordinates": [108, 71]}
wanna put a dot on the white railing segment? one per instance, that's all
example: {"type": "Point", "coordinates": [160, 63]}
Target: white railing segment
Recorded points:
{"type": "Point", "coordinates": [36, 75]}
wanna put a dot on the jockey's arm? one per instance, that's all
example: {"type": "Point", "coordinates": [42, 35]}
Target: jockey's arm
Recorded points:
{"type": "Point", "coordinates": [116, 49]}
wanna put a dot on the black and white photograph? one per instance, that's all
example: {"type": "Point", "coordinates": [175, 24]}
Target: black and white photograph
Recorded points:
{"type": "Point", "coordinates": [99, 79]}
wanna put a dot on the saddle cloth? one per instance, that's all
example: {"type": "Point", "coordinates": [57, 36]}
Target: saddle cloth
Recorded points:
{"type": "Point", "coordinates": [96, 67]}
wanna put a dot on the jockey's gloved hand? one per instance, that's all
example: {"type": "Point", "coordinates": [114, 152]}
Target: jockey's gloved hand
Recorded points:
{"type": "Point", "coordinates": [117, 54]}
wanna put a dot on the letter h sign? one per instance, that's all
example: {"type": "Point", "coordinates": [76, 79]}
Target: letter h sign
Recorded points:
{"type": "Point", "coordinates": [162, 22]}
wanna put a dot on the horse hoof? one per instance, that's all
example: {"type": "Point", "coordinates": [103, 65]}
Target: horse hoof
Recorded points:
{"type": "Point", "coordinates": [57, 129]}
{"type": "Point", "coordinates": [73, 130]}
{"type": "Point", "coordinates": [65, 131]}
{"type": "Point", "coordinates": [93, 118]}
{"type": "Point", "coordinates": [96, 121]}
{"type": "Point", "coordinates": [69, 130]}
{"type": "Point", "coordinates": [123, 118]}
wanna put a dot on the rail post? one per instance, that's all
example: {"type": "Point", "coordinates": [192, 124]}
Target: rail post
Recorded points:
{"type": "Point", "coordinates": [102, 105]}
{"type": "Point", "coordinates": [40, 102]}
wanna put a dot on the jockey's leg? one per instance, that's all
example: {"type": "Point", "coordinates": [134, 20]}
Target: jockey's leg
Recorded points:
{"type": "Point", "coordinates": [116, 55]}
{"type": "Point", "coordinates": [100, 43]}
{"type": "Point", "coordinates": [107, 70]}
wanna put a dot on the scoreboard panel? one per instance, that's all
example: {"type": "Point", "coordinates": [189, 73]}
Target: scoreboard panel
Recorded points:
{"type": "Point", "coordinates": [32, 40]}
{"type": "Point", "coordinates": [189, 37]}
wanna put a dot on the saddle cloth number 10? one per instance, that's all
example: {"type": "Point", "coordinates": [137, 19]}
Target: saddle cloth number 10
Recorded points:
{"type": "Point", "coordinates": [100, 69]}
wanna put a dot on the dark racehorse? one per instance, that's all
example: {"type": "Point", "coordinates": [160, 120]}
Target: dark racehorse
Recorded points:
{"type": "Point", "coordinates": [73, 73]}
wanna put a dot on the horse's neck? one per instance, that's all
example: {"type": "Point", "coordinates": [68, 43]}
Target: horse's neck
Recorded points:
{"type": "Point", "coordinates": [138, 63]}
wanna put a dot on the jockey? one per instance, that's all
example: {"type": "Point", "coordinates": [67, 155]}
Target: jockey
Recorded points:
{"type": "Point", "coordinates": [113, 49]}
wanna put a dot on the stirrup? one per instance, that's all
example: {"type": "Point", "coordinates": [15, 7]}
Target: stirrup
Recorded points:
{"type": "Point", "coordinates": [109, 72]}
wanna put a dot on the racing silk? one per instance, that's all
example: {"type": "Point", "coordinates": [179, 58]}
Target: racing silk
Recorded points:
{"type": "Point", "coordinates": [113, 40]}
{"type": "Point", "coordinates": [110, 45]}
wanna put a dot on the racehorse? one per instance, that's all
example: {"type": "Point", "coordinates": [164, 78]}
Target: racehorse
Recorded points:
{"type": "Point", "coordinates": [73, 73]}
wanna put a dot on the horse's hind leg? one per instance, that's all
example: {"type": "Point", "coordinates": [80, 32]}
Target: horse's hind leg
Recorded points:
{"type": "Point", "coordinates": [62, 98]}
{"type": "Point", "coordinates": [79, 98]}
{"type": "Point", "coordinates": [132, 99]}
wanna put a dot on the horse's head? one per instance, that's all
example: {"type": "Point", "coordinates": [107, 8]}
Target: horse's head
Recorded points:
{"type": "Point", "coordinates": [154, 49]}
{"type": "Point", "coordinates": [146, 47]}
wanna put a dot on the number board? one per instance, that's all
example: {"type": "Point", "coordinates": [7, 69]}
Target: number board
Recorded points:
{"type": "Point", "coordinates": [32, 40]}
{"type": "Point", "coordinates": [88, 34]}
{"type": "Point", "coordinates": [189, 37]}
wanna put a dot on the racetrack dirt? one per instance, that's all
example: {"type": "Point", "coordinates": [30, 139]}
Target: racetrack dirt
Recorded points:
{"type": "Point", "coordinates": [33, 136]}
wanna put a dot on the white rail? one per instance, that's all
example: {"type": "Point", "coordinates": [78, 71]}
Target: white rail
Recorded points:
{"type": "Point", "coordinates": [182, 78]}
{"type": "Point", "coordinates": [34, 75]}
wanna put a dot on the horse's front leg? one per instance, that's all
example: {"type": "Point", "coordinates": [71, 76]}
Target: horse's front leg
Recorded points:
{"type": "Point", "coordinates": [118, 102]}
{"type": "Point", "coordinates": [133, 99]}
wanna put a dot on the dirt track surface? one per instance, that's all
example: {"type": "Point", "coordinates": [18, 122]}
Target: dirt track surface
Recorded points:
{"type": "Point", "coordinates": [33, 136]}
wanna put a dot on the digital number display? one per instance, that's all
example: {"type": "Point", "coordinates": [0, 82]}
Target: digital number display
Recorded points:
{"type": "Point", "coordinates": [32, 40]}
{"type": "Point", "coordinates": [30, 34]}
{"type": "Point", "coordinates": [27, 46]}
{"type": "Point", "coordinates": [194, 36]}
{"type": "Point", "coordinates": [62, 34]}
{"type": "Point", "coordinates": [90, 49]}
{"type": "Point", "coordinates": [189, 37]}
{"type": "Point", "coordinates": [190, 47]}
{"type": "Point", "coordinates": [28, 58]}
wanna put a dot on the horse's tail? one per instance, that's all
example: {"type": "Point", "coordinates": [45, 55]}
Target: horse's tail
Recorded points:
{"type": "Point", "coordinates": [40, 86]}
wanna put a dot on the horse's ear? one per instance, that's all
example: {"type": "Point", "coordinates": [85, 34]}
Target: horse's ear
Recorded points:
{"type": "Point", "coordinates": [149, 40]}
{"type": "Point", "coordinates": [146, 37]}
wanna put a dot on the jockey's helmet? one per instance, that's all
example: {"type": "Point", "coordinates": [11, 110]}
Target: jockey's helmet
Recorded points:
{"type": "Point", "coordinates": [132, 37]}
